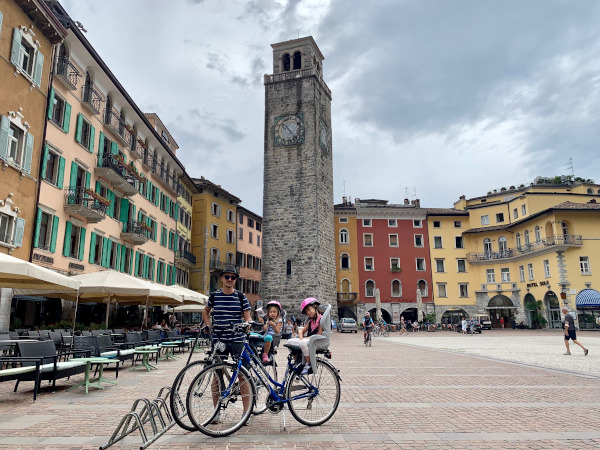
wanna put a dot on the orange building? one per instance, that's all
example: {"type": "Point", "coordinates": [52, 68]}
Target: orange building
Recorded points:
{"type": "Point", "coordinates": [249, 253]}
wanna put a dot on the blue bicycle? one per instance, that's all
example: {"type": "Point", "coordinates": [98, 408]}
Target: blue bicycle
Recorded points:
{"type": "Point", "coordinates": [221, 397]}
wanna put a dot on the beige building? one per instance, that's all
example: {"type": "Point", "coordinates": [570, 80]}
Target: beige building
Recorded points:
{"type": "Point", "coordinates": [249, 253]}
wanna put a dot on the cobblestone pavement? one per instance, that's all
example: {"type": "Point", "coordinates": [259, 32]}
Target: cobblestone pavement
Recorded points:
{"type": "Point", "coordinates": [394, 395]}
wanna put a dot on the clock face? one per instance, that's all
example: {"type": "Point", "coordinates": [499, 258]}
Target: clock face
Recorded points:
{"type": "Point", "coordinates": [288, 130]}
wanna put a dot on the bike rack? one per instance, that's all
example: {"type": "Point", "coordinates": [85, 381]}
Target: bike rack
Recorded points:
{"type": "Point", "coordinates": [154, 412]}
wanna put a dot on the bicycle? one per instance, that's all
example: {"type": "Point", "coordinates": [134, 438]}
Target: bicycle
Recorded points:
{"type": "Point", "coordinates": [368, 339]}
{"type": "Point", "coordinates": [213, 399]}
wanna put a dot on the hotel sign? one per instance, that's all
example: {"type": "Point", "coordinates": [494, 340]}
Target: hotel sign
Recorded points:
{"type": "Point", "coordinates": [536, 284]}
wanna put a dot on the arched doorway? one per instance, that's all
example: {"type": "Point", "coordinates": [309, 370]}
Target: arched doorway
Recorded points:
{"type": "Point", "coordinates": [553, 307]}
{"type": "Point", "coordinates": [529, 298]}
{"type": "Point", "coordinates": [409, 314]}
{"type": "Point", "coordinates": [453, 316]}
{"type": "Point", "coordinates": [386, 315]}
{"type": "Point", "coordinates": [346, 312]}
{"type": "Point", "coordinates": [501, 306]}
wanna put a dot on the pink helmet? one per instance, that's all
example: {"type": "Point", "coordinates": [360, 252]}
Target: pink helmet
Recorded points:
{"type": "Point", "coordinates": [309, 301]}
{"type": "Point", "coordinates": [274, 303]}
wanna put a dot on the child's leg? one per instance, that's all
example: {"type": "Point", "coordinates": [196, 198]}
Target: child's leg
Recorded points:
{"type": "Point", "coordinates": [304, 348]}
{"type": "Point", "coordinates": [267, 347]}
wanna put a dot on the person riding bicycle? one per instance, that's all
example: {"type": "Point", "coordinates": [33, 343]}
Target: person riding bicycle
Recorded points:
{"type": "Point", "coordinates": [367, 324]}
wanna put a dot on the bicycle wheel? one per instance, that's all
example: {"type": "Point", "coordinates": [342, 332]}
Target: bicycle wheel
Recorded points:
{"type": "Point", "coordinates": [262, 390]}
{"type": "Point", "coordinates": [220, 399]}
{"type": "Point", "coordinates": [369, 340]}
{"type": "Point", "coordinates": [375, 332]}
{"type": "Point", "coordinates": [318, 409]}
{"type": "Point", "coordinates": [385, 333]}
{"type": "Point", "coordinates": [179, 389]}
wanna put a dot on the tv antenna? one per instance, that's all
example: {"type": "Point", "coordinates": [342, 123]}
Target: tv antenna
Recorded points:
{"type": "Point", "coordinates": [570, 167]}
{"type": "Point", "coordinates": [407, 193]}
{"type": "Point", "coordinates": [298, 31]}
{"type": "Point", "coordinates": [344, 181]}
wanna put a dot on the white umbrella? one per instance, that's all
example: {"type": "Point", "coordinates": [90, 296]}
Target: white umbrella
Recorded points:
{"type": "Point", "coordinates": [188, 308]}
{"type": "Point", "coordinates": [16, 273]}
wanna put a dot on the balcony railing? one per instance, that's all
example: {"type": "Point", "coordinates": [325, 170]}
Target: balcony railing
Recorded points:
{"type": "Point", "coordinates": [136, 232]}
{"type": "Point", "coordinates": [551, 243]}
{"type": "Point", "coordinates": [185, 257]}
{"type": "Point", "coordinates": [117, 173]}
{"type": "Point", "coordinates": [119, 127]}
{"type": "Point", "coordinates": [67, 73]}
{"type": "Point", "coordinates": [220, 265]}
{"type": "Point", "coordinates": [137, 150]}
{"type": "Point", "coordinates": [81, 203]}
{"type": "Point", "coordinates": [293, 74]}
{"type": "Point", "coordinates": [347, 298]}
{"type": "Point", "coordinates": [147, 161]}
{"type": "Point", "coordinates": [92, 99]}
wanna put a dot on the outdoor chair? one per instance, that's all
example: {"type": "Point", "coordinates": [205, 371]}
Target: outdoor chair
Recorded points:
{"type": "Point", "coordinates": [67, 342]}
{"type": "Point", "coordinates": [21, 369]}
{"type": "Point", "coordinates": [5, 349]}
{"type": "Point", "coordinates": [34, 334]}
{"type": "Point", "coordinates": [134, 340]}
{"type": "Point", "coordinates": [90, 344]}
{"type": "Point", "coordinates": [97, 332]}
{"type": "Point", "coordinates": [13, 334]}
{"type": "Point", "coordinates": [57, 338]}
{"type": "Point", "coordinates": [3, 332]}
{"type": "Point", "coordinates": [45, 334]}
{"type": "Point", "coordinates": [51, 368]}
{"type": "Point", "coordinates": [175, 338]}
{"type": "Point", "coordinates": [86, 333]}
{"type": "Point", "coordinates": [119, 331]}
{"type": "Point", "coordinates": [109, 350]}
{"type": "Point", "coordinates": [22, 331]}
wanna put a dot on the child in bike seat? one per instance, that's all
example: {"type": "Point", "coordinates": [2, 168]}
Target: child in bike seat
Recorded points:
{"type": "Point", "coordinates": [313, 326]}
{"type": "Point", "coordinates": [272, 326]}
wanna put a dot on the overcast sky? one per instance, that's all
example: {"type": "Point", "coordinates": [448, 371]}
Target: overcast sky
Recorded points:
{"type": "Point", "coordinates": [437, 97]}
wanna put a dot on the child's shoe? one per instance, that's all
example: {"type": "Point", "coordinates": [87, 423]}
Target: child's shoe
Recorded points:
{"type": "Point", "coordinates": [306, 369]}
{"type": "Point", "coordinates": [265, 358]}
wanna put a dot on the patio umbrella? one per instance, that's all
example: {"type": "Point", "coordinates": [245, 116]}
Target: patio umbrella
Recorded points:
{"type": "Point", "coordinates": [188, 308]}
{"type": "Point", "coordinates": [17, 273]}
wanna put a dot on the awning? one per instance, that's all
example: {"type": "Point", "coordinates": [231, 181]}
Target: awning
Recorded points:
{"type": "Point", "coordinates": [588, 298]}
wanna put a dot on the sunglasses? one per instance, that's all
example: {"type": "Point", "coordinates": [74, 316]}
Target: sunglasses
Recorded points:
{"type": "Point", "coordinates": [230, 277]}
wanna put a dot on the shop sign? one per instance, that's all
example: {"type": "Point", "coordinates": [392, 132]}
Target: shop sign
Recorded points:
{"type": "Point", "coordinates": [536, 284]}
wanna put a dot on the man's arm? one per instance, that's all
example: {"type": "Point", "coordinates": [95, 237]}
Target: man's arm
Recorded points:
{"type": "Point", "coordinates": [247, 315]}
{"type": "Point", "coordinates": [206, 316]}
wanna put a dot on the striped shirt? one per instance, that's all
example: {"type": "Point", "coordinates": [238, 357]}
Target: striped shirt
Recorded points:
{"type": "Point", "coordinates": [226, 311]}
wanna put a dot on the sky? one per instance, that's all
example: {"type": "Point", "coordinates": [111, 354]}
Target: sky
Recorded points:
{"type": "Point", "coordinates": [432, 99]}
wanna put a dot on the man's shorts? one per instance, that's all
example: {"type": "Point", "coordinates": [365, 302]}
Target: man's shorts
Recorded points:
{"type": "Point", "coordinates": [234, 349]}
{"type": "Point", "coordinates": [572, 335]}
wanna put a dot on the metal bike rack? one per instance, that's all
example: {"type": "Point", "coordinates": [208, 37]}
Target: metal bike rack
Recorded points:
{"type": "Point", "coordinates": [155, 412]}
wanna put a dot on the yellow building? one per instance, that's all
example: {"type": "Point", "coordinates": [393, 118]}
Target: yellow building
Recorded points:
{"type": "Point", "coordinates": [536, 243]}
{"type": "Point", "coordinates": [346, 257]}
{"type": "Point", "coordinates": [214, 212]}
{"type": "Point", "coordinates": [184, 258]}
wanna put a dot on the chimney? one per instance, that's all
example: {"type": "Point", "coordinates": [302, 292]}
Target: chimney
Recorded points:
{"type": "Point", "coordinates": [344, 200]}
{"type": "Point", "coordinates": [417, 203]}
{"type": "Point", "coordinates": [406, 202]}
{"type": "Point", "coordinates": [462, 197]}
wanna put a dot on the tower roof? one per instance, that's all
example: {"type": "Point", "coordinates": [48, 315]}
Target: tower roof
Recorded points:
{"type": "Point", "coordinates": [296, 42]}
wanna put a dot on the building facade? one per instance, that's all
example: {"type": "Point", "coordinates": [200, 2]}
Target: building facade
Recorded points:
{"type": "Point", "coordinates": [184, 258]}
{"type": "Point", "coordinates": [298, 247]}
{"type": "Point", "coordinates": [249, 254]}
{"type": "Point", "coordinates": [347, 263]}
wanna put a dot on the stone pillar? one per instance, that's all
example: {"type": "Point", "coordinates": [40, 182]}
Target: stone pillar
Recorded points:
{"type": "Point", "coordinates": [5, 301]}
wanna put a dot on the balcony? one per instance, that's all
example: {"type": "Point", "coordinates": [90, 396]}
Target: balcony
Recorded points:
{"type": "Point", "coordinates": [295, 74]}
{"type": "Point", "coordinates": [185, 258]}
{"type": "Point", "coordinates": [548, 245]}
{"type": "Point", "coordinates": [166, 178]}
{"type": "Point", "coordinates": [91, 99]}
{"type": "Point", "coordinates": [347, 298]}
{"type": "Point", "coordinates": [118, 127]}
{"type": "Point", "coordinates": [136, 232]}
{"type": "Point", "coordinates": [217, 266]}
{"type": "Point", "coordinates": [85, 203]}
{"type": "Point", "coordinates": [148, 161]}
{"type": "Point", "coordinates": [67, 73]}
{"type": "Point", "coordinates": [137, 150]}
{"type": "Point", "coordinates": [118, 173]}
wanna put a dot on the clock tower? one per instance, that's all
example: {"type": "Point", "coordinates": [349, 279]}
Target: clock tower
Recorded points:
{"type": "Point", "coordinates": [298, 254]}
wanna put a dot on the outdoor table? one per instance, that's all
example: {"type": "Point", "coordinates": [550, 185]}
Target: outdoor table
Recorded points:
{"type": "Point", "coordinates": [96, 382]}
{"type": "Point", "coordinates": [169, 350]}
{"type": "Point", "coordinates": [145, 352]}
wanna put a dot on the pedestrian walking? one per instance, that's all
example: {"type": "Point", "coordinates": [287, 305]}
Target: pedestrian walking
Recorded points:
{"type": "Point", "coordinates": [502, 321]}
{"type": "Point", "coordinates": [472, 326]}
{"type": "Point", "coordinates": [570, 332]}
{"type": "Point", "coordinates": [464, 326]}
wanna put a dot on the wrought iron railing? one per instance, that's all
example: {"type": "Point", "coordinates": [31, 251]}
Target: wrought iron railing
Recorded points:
{"type": "Point", "coordinates": [111, 162]}
{"type": "Point", "coordinates": [138, 228]}
{"type": "Point", "coordinates": [92, 97]}
{"type": "Point", "coordinates": [187, 256]}
{"type": "Point", "coordinates": [548, 242]}
{"type": "Point", "coordinates": [68, 70]}
{"type": "Point", "coordinates": [79, 196]}
{"type": "Point", "coordinates": [347, 296]}
{"type": "Point", "coordinates": [118, 125]}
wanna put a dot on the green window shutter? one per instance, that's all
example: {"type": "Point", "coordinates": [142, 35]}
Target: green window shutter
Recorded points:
{"type": "Point", "coordinates": [67, 244]}
{"type": "Point", "coordinates": [92, 138]}
{"type": "Point", "coordinates": [105, 243]}
{"type": "Point", "coordinates": [152, 269]}
{"type": "Point", "coordinates": [16, 47]}
{"type": "Point", "coordinates": [137, 264]}
{"type": "Point", "coordinates": [44, 162]}
{"type": "Point", "coordinates": [98, 187]}
{"type": "Point", "coordinates": [118, 257]}
{"type": "Point", "coordinates": [81, 244]}
{"type": "Point", "coordinates": [92, 247]}
{"type": "Point", "coordinates": [114, 148]}
{"type": "Point", "coordinates": [55, 221]}
{"type": "Point", "coordinates": [61, 172]}
{"type": "Point", "coordinates": [73, 179]}
{"type": "Point", "coordinates": [51, 103]}
{"type": "Point", "coordinates": [109, 207]}
{"type": "Point", "coordinates": [4, 126]}
{"type": "Point", "coordinates": [124, 210]}
{"type": "Point", "coordinates": [67, 118]}
{"type": "Point", "coordinates": [144, 266]}
{"type": "Point", "coordinates": [88, 179]}
{"type": "Point", "coordinates": [79, 126]}
{"type": "Point", "coordinates": [39, 68]}
{"type": "Point", "coordinates": [100, 149]}
{"type": "Point", "coordinates": [36, 233]}
{"type": "Point", "coordinates": [176, 211]}
{"type": "Point", "coordinates": [28, 152]}
{"type": "Point", "coordinates": [157, 197]}
{"type": "Point", "coordinates": [130, 251]}
{"type": "Point", "coordinates": [123, 252]}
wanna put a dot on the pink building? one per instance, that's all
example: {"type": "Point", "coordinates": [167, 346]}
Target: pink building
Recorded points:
{"type": "Point", "coordinates": [249, 253]}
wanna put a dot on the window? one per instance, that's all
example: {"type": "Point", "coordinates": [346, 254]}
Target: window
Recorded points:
{"type": "Point", "coordinates": [461, 265]}
{"type": "Point", "coordinates": [505, 274]}
{"type": "Point", "coordinates": [229, 237]}
{"type": "Point", "coordinates": [17, 147]}
{"type": "Point", "coordinates": [441, 287]}
{"type": "Point", "coordinates": [530, 271]}
{"type": "Point", "coordinates": [485, 220]}
{"type": "Point", "coordinates": [546, 268]}
{"type": "Point", "coordinates": [502, 245]}
{"type": "Point", "coordinates": [523, 210]}
{"type": "Point", "coordinates": [418, 240]}
{"type": "Point", "coordinates": [500, 218]}
{"type": "Point", "coordinates": [85, 133]}
{"type": "Point", "coordinates": [215, 210]}
{"type": "Point", "coordinates": [370, 288]}
{"type": "Point", "coordinates": [26, 56]}
{"type": "Point", "coordinates": [518, 240]}
{"type": "Point", "coordinates": [57, 115]}
{"type": "Point", "coordinates": [368, 240]}
{"type": "Point", "coordinates": [395, 264]}
{"type": "Point", "coordinates": [229, 258]}
{"type": "Point", "coordinates": [417, 224]}
{"type": "Point", "coordinates": [392, 222]}
{"type": "Point", "coordinates": [288, 268]}
{"type": "Point", "coordinates": [230, 216]}
{"type": "Point", "coordinates": [113, 262]}
{"type": "Point", "coordinates": [440, 265]}
{"type": "Point", "coordinates": [584, 265]}
{"type": "Point", "coordinates": [457, 224]}
{"type": "Point", "coordinates": [487, 247]}
{"type": "Point", "coordinates": [491, 275]}
{"type": "Point", "coordinates": [458, 242]}
{"type": "Point", "coordinates": [250, 222]}
{"type": "Point", "coordinates": [396, 288]}
{"type": "Point", "coordinates": [463, 290]}
{"type": "Point", "coordinates": [240, 233]}
{"type": "Point", "coordinates": [521, 273]}
{"type": "Point", "coordinates": [258, 227]}
{"type": "Point", "coordinates": [214, 231]}
{"type": "Point", "coordinates": [369, 264]}
{"type": "Point", "coordinates": [437, 224]}
{"type": "Point", "coordinates": [343, 220]}
{"type": "Point", "coordinates": [258, 240]}
{"type": "Point", "coordinates": [366, 222]}
{"type": "Point", "coordinates": [6, 229]}
{"type": "Point", "coordinates": [241, 218]}
{"type": "Point", "coordinates": [74, 241]}
{"type": "Point", "coordinates": [437, 242]}
{"type": "Point", "coordinates": [343, 236]}
{"type": "Point", "coordinates": [526, 234]}
{"type": "Point", "coordinates": [165, 136]}
{"type": "Point", "coordinates": [53, 167]}
{"type": "Point", "coordinates": [250, 237]}
{"type": "Point", "coordinates": [538, 234]}
{"type": "Point", "coordinates": [515, 213]}
{"type": "Point", "coordinates": [393, 240]}
{"type": "Point", "coordinates": [420, 264]}
{"type": "Point", "coordinates": [344, 261]}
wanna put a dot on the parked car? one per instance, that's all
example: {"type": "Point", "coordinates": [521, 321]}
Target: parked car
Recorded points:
{"type": "Point", "coordinates": [484, 320]}
{"type": "Point", "coordinates": [347, 324]}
